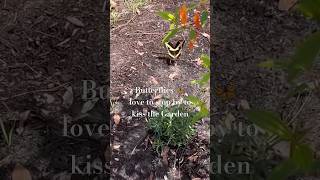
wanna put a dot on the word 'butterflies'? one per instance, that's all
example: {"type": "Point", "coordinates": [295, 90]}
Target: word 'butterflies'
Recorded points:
{"type": "Point", "coordinates": [174, 51]}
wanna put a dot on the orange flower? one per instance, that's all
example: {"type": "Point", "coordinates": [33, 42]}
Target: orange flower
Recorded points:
{"type": "Point", "coordinates": [196, 19]}
{"type": "Point", "coordinates": [191, 44]}
{"type": "Point", "coordinates": [183, 14]}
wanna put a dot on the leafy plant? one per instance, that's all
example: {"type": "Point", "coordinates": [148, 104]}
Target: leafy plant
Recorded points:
{"type": "Point", "coordinates": [301, 159]}
{"type": "Point", "coordinates": [178, 21]}
{"type": "Point", "coordinates": [172, 130]}
{"type": "Point", "coordinates": [134, 5]}
{"type": "Point", "coordinates": [7, 135]}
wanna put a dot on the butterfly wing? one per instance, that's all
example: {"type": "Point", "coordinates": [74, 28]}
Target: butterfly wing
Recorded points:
{"type": "Point", "coordinates": [174, 51]}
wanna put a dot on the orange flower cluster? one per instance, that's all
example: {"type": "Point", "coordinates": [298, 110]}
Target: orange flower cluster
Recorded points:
{"type": "Point", "coordinates": [183, 14]}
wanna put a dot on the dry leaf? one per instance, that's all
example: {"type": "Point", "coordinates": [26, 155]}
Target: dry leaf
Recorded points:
{"type": "Point", "coordinates": [138, 12]}
{"type": "Point", "coordinates": [20, 173]}
{"type": "Point", "coordinates": [140, 53]}
{"type": "Point", "coordinates": [206, 35]}
{"type": "Point", "coordinates": [116, 147]}
{"type": "Point", "coordinates": [140, 43]}
{"type": "Point", "coordinates": [193, 157]}
{"type": "Point", "coordinates": [171, 76]}
{"type": "Point", "coordinates": [116, 119]}
{"type": "Point", "coordinates": [164, 155]}
{"type": "Point", "coordinates": [153, 80]}
{"type": "Point", "coordinates": [89, 105]}
{"type": "Point", "coordinates": [285, 5]}
{"type": "Point", "coordinates": [75, 21]}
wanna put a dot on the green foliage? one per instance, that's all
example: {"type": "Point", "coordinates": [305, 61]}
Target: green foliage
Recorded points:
{"type": "Point", "coordinates": [168, 16]}
{"type": "Point", "coordinates": [304, 57]}
{"type": "Point", "coordinates": [173, 18]}
{"type": "Point", "coordinates": [172, 131]}
{"type": "Point", "coordinates": [170, 34]}
{"type": "Point", "coordinates": [271, 122]}
{"type": "Point", "coordinates": [204, 18]}
{"type": "Point", "coordinates": [310, 8]}
{"type": "Point", "coordinates": [7, 135]}
{"type": "Point", "coordinates": [204, 79]}
{"type": "Point", "coordinates": [134, 5]}
{"type": "Point", "coordinates": [232, 147]}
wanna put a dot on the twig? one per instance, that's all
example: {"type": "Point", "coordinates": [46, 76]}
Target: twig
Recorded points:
{"type": "Point", "coordinates": [35, 91]}
{"type": "Point", "coordinates": [122, 25]}
{"type": "Point", "coordinates": [139, 142]}
{"type": "Point", "coordinates": [145, 33]}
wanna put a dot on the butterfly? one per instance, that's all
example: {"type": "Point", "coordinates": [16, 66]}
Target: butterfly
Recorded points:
{"type": "Point", "coordinates": [226, 91]}
{"type": "Point", "coordinates": [174, 51]}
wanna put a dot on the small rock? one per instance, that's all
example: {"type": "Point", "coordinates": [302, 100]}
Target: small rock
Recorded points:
{"type": "Point", "coordinates": [244, 104]}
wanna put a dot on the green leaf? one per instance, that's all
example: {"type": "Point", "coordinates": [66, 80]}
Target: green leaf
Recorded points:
{"type": "Point", "coordinates": [192, 34]}
{"type": "Point", "coordinates": [305, 56]}
{"type": "Point", "coordinates": [172, 26]}
{"type": "Point", "coordinates": [310, 8]}
{"type": "Point", "coordinates": [169, 35]}
{"type": "Point", "coordinates": [205, 59]}
{"type": "Point", "coordinates": [302, 155]}
{"type": "Point", "coordinates": [192, 7]}
{"type": "Point", "coordinates": [195, 100]}
{"type": "Point", "coordinates": [297, 90]}
{"type": "Point", "coordinates": [271, 122]}
{"type": "Point", "coordinates": [199, 103]}
{"type": "Point", "coordinates": [315, 167]}
{"type": "Point", "coordinates": [204, 18]}
{"type": "Point", "coordinates": [168, 16]}
{"type": "Point", "coordinates": [204, 79]}
{"type": "Point", "coordinates": [283, 170]}
{"type": "Point", "coordinates": [267, 64]}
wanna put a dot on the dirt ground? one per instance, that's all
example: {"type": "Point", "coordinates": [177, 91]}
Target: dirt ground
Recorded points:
{"type": "Point", "coordinates": [134, 63]}
{"type": "Point", "coordinates": [248, 32]}
{"type": "Point", "coordinates": [47, 49]}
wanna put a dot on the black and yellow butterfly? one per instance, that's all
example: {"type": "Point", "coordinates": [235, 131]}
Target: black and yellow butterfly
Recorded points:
{"type": "Point", "coordinates": [174, 51]}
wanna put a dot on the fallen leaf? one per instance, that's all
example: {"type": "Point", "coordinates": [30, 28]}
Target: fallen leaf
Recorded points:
{"type": "Point", "coordinates": [171, 76]}
{"type": "Point", "coordinates": [24, 115]}
{"type": "Point", "coordinates": [153, 80]}
{"type": "Point", "coordinates": [116, 147]}
{"type": "Point", "coordinates": [193, 158]}
{"type": "Point", "coordinates": [89, 105]}
{"type": "Point", "coordinates": [62, 176]}
{"type": "Point", "coordinates": [244, 104]}
{"type": "Point", "coordinates": [140, 43]}
{"type": "Point", "coordinates": [285, 5]}
{"type": "Point", "coordinates": [75, 21]}
{"type": "Point", "coordinates": [116, 119]}
{"type": "Point", "coordinates": [140, 53]}
{"type": "Point", "coordinates": [206, 35]}
{"type": "Point", "coordinates": [68, 97]}
{"type": "Point", "coordinates": [20, 173]}
{"type": "Point", "coordinates": [138, 11]}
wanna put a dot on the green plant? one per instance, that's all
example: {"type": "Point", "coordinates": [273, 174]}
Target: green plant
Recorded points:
{"type": "Point", "coordinates": [7, 135]}
{"type": "Point", "coordinates": [301, 158]}
{"type": "Point", "coordinates": [114, 17]}
{"type": "Point", "coordinates": [175, 130]}
{"type": "Point", "coordinates": [134, 5]}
